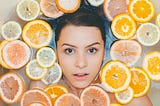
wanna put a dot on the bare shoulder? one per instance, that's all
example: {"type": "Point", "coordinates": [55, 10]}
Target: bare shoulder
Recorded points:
{"type": "Point", "coordinates": [141, 101]}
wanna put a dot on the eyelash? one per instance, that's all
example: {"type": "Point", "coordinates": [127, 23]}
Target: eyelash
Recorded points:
{"type": "Point", "coordinates": [71, 51]}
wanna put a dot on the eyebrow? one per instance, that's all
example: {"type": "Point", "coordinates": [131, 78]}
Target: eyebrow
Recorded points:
{"type": "Point", "coordinates": [95, 43]}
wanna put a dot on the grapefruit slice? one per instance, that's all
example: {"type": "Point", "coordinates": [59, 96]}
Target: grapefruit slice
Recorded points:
{"type": "Point", "coordinates": [35, 95]}
{"type": "Point", "coordinates": [114, 7]}
{"type": "Point", "coordinates": [11, 88]}
{"type": "Point", "coordinates": [49, 8]}
{"type": "Point", "coordinates": [67, 99]}
{"type": "Point", "coordinates": [16, 54]}
{"type": "Point", "coordinates": [127, 51]}
{"type": "Point", "coordinates": [94, 96]}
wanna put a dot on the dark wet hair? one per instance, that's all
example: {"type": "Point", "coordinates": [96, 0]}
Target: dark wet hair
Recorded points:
{"type": "Point", "coordinates": [81, 18]}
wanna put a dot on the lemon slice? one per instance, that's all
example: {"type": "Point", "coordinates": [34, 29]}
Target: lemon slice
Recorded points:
{"type": "Point", "coordinates": [53, 75]}
{"type": "Point", "coordinates": [11, 30]}
{"type": "Point", "coordinates": [95, 2]}
{"type": "Point", "coordinates": [34, 71]}
{"type": "Point", "coordinates": [28, 10]}
{"type": "Point", "coordinates": [148, 34]}
{"type": "Point", "coordinates": [46, 57]}
{"type": "Point", "coordinates": [158, 20]}
{"type": "Point", "coordinates": [125, 96]}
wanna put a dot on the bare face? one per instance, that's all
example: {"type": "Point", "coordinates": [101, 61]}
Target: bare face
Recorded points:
{"type": "Point", "coordinates": [80, 51]}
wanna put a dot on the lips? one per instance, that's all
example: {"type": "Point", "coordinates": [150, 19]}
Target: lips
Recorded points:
{"type": "Point", "coordinates": [80, 76]}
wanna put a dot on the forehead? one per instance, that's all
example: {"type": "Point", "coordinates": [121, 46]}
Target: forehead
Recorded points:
{"type": "Point", "coordinates": [71, 33]}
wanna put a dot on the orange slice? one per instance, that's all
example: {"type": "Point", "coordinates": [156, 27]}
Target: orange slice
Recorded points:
{"type": "Point", "coordinates": [115, 76]}
{"type": "Point", "coordinates": [126, 96]}
{"type": "Point", "coordinates": [49, 8]}
{"type": "Point", "coordinates": [148, 34]}
{"type": "Point", "coordinates": [140, 82]}
{"type": "Point", "coordinates": [35, 96]}
{"type": "Point", "coordinates": [151, 64]}
{"type": "Point", "coordinates": [67, 99]}
{"type": "Point", "coordinates": [55, 91]}
{"type": "Point", "coordinates": [37, 33]}
{"type": "Point", "coordinates": [94, 96]}
{"type": "Point", "coordinates": [158, 20]}
{"type": "Point", "coordinates": [11, 88]}
{"type": "Point", "coordinates": [68, 6]}
{"type": "Point", "coordinates": [16, 54]}
{"type": "Point", "coordinates": [114, 7]}
{"type": "Point", "coordinates": [142, 10]}
{"type": "Point", "coordinates": [127, 51]}
{"type": "Point", "coordinates": [123, 26]}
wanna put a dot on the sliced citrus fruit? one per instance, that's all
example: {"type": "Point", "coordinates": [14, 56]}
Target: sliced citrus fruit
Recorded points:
{"type": "Point", "coordinates": [141, 10]}
{"type": "Point", "coordinates": [95, 2]}
{"type": "Point", "coordinates": [46, 57]}
{"type": "Point", "coordinates": [158, 20]}
{"type": "Point", "coordinates": [34, 71]}
{"type": "Point", "coordinates": [94, 96]}
{"type": "Point", "coordinates": [115, 76]}
{"type": "Point", "coordinates": [151, 64]}
{"type": "Point", "coordinates": [114, 7]}
{"type": "Point", "coordinates": [126, 96]}
{"type": "Point", "coordinates": [16, 54]}
{"type": "Point", "coordinates": [11, 30]}
{"type": "Point", "coordinates": [67, 99]}
{"type": "Point", "coordinates": [148, 34]}
{"type": "Point", "coordinates": [68, 6]}
{"type": "Point", "coordinates": [11, 88]}
{"type": "Point", "coordinates": [115, 104]}
{"type": "Point", "coordinates": [2, 62]}
{"type": "Point", "coordinates": [49, 9]}
{"type": "Point", "coordinates": [28, 10]}
{"type": "Point", "coordinates": [140, 82]}
{"type": "Point", "coordinates": [36, 104]}
{"type": "Point", "coordinates": [123, 26]}
{"type": "Point", "coordinates": [53, 75]}
{"type": "Point", "coordinates": [37, 33]}
{"type": "Point", "coordinates": [127, 51]}
{"type": "Point", "coordinates": [35, 95]}
{"type": "Point", "coordinates": [55, 91]}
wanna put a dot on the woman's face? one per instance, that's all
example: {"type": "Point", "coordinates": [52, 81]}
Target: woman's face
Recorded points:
{"type": "Point", "coordinates": [80, 51]}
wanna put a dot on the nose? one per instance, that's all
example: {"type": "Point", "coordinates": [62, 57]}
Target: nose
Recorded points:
{"type": "Point", "coordinates": [81, 61]}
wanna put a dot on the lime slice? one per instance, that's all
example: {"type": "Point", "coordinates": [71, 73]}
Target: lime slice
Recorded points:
{"type": "Point", "coordinates": [11, 30]}
{"type": "Point", "coordinates": [53, 75]}
{"type": "Point", "coordinates": [28, 10]}
{"type": "Point", "coordinates": [46, 57]}
{"type": "Point", "coordinates": [34, 71]}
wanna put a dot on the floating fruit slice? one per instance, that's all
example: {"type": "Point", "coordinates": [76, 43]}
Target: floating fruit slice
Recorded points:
{"type": "Point", "coordinates": [115, 76]}
{"type": "Point", "coordinates": [141, 10]}
{"type": "Point", "coordinates": [37, 33]}
{"type": "Point", "coordinates": [126, 96]}
{"type": "Point", "coordinates": [55, 91]}
{"type": "Point", "coordinates": [3, 43]}
{"type": "Point", "coordinates": [68, 6]}
{"type": "Point", "coordinates": [36, 104]}
{"type": "Point", "coordinates": [49, 8]}
{"type": "Point", "coordinates": [114, 7]}
{"type": "Point", "coordinates": [127, 51]}
{"type": "Point", "coordinates": [115, 104]}
{"type": "Point", "coordinates": [151, 64]}
{"type": "Point", "coordinates": [35, 95]}
{"type": "Point", "coordinates": [140, 82]}
{"type": "Point", "coordinates": [94, 96]}
{"type": "Point", "coordinates": [67, 99]}
{"type": "Point", "coordinates": [28, 10]}
{"type": "Point", "coordinates": [34, 71]}
{"type": "Point", "coordinates": [11, 30]}
{"type": "Point", "coordinates": [53, 75]}
{"type": "Point", "coordinates": [158, 20]}
{"type": "Point", "coordinates": [46, 57]}
{"type": "Point", "coordinates": [11, 88]}
{"type": "Point", "coordinates": [148, 34]}
{"type": "Point", "coordinates": [95, 2]}
{"type": "Point", "coordinates": [16, 54]}
{"type": "Point", "coordinates": [123, 26]}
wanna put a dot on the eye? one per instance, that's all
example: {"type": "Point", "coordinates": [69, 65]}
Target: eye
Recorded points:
{"type": "Point", "coordinates": [92, 50]}
{"type": "Point", "coordinates": [69, 51]}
